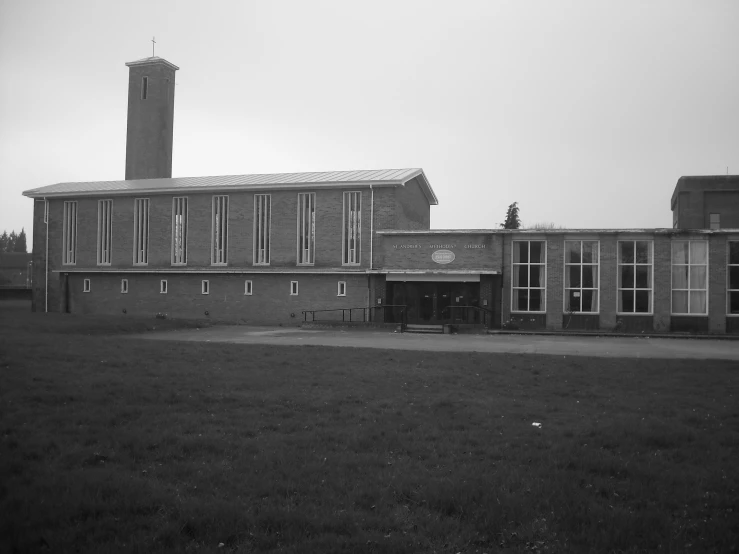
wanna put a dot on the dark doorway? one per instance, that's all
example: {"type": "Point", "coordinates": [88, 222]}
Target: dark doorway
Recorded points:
{"type": "Point", "coordinates": [434, 302]}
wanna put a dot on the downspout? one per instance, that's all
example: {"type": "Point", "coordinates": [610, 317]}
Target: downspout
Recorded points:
{"type": "Point", "coordinates": [46, 271]}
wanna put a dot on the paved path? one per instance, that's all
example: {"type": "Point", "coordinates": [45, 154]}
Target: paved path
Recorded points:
{"type": "Point", "coordinates": [615, 347]}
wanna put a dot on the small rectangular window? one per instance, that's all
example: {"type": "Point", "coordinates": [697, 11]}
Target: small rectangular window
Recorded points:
{"type": "Point", "coordinates": [341, 289]}
{"type": "Point", "coordinates": [205, 287]}
{"type": "Point", "coordinates": [179, 231]}
{"type": "Point", "coordinates": [293, 288]}
{"type": "Point", "coordinates": [144, 87]}
{"type": "Point", "coordinates": [86, 285]}
{"type": "Point", "coordinates": [163, 286]}
{"type": "Point", "coordinates": [714, 221]}
{"type": "Point", "coordinates": [247, 288]}
{"type": "Point", "coordinates": [219, 245]}
{"type": "Point", "coordinates": [141, 231]}
{"type": "Point", "coordinates": [69, 256]}
{"type": "Point", "coordinates": [124, 286]}
{"type": "Point", "coordinates": [105, 231]}
{"type": "Point", "coordinates": [262, 228]}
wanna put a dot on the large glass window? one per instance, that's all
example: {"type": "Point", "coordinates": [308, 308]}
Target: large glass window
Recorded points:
{"type": "Point", "coordinates": [732, 279]}
{"type": "Point", "coordinates": [306, 228]}
{"type": "Point", "coordinates": [352, 230]}
{"type": "Point", "coordinates": [141, 231]}
{"type": "Point", "coordinates": [690, 277]}
{"type": "Point", "coordinates": [105, 231]}
{"type": "Point", "coordinates": [582, 258]}
{"type": "Point", "coordinates": [219, 246]}
{"type": "Point", "coordinates": [179, 231]}
{"type": "Point", "coordinates": [529, 276]}
{"type": "Point", "coordinates": [635, 270]}
{"type": "Point", "coordinates": [69, 254]}
{"type": "Point", "coordinates": [262, 228]}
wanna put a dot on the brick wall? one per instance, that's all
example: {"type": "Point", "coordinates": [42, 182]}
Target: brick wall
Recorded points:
{"type": "Point", "coordinates": [413, 212]}
{"type": "Point", "coordinates": [270, 303]}
{"type": "Point", "coordinates": [414, 251]}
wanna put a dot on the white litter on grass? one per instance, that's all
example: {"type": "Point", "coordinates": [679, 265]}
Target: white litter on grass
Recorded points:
{"type": "Point", "coordinates": [536, 424]}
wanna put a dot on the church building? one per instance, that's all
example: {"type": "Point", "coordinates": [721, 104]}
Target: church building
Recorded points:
{"type": "Point", "coordinates": [294, 247]}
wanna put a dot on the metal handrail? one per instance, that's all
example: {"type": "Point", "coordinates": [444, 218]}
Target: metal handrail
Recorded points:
{"type": "Point", "coordinates": [483, 311]}
{"type": "Point", "coordinates": [365, 311]}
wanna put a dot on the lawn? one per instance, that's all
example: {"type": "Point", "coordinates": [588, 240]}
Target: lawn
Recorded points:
{"type": "Point", "coordinates": [110, 443]}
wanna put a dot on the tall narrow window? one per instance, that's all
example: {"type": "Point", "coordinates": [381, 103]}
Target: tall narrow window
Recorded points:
{"type": "Point", "coordinates": [46, 211]}
{"type": "Point", "coordinates": [105, 231]}
{"type": "Point", "coordinates": [732, 279]}
{"type": "Point", "coordinates": [306, 228]}
{"type": "Point", "coordinates": [124, 286]}
{"type": "Point", "coordinates": [247, 288]}
{"type": "Point", "coordinates": [690, 277]}
{"type": "Point", "coordinates": [179, 231]}
{"type": "Point", "coordinates": [69, 255]}
{"type": "Point", "coordinates": [262, 228]}
{"type": "Point", "coordinates": [293, 288]}
{"type": "Point", "coordinates": [581, 276]}
{"type": "Point", "coordinates": [141, 231]}
{"type": "Point", "coordinates": [205, 286]}
{"type": "Point", "coordinates": [529, 276]}
{"type": "Point", "coordinates": [144, 88]}
{"type": "Point", "coordinates": [163, 286]}
{"type": "Point", "coordinates": [714, 221]}
{"type": "Point", "coordinates": [352, 229]}
{"type": "Point", "coordinates": [341, 291]}
{"type": "Point", "coordinates": [85, 285]}
{"type": "Point", "coordinates": [219, 247]}
{"type": "Point", "coordinates": [635, 272]}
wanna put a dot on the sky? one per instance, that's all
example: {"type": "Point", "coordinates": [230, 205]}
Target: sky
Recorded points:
{"type": "Point", "coordinates": [586, 113]}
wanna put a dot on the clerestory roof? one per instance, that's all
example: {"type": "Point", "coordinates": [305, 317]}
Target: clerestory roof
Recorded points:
{"type": "Point", "coordinates": [262, 181]}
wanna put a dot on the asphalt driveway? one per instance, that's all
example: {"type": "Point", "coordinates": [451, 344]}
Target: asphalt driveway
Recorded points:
{"type": "Point", "coordinates": [615, 347]}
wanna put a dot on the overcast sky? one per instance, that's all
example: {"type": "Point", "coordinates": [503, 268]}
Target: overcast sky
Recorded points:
{"type": "Point", "coordinates": [585, 113]}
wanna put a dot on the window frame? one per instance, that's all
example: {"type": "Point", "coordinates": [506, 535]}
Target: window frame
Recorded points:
{"type": "Point", "coordinates": [69, 233]}
{"type": "Point", "coordinates": [144, 87]}
{"type": "Point", "coordinates": [356, 229]}
{"type": "Point", "coordinates": [124, 286]}
{"type": "Point", "coordinates": [306, 203]}
{"type": "Point", "coordinates": [581, 264]}
{"type": "Point", "coordinates": [140, 228]}
{"type": "Point", "coordinates": [729, 265]}
{"type": "Point", "coordinates": [86, 285]}
{"type": "Point", "coordinates": [248, 287]}
{"type": "Point", "coordinates": [262, 229]}
{"type": "Point", "coordinates": [711, 223]}
{"type": "Point", "coordinates": [529, 287]}
{"type": "Point", "coordinates": [634, 265]}
{"type": "Point", "coordinates": [689, 290]}
{"type": "Point", "coordinates": [219, 231]}
{"type": "Point", "coordinates": [205, 286]}
{"type": "Point", "coordinates": [163, 286]}
{"type": "Point", "coordinates": [294, 288]}
{"type": "Point", "coordinates": [180, 203]}
{"type": "Point", "coordinates": [341, 288]}
{"type": "Point", "coordinates": [105, 232]}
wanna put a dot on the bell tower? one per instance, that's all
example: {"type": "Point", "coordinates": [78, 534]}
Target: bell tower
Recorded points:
{"type": "Point", "coordinates": [150, 118]}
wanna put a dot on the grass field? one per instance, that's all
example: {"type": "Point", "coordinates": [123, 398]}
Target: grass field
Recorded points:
{"type": "Point", "coordinates": [111, 444]}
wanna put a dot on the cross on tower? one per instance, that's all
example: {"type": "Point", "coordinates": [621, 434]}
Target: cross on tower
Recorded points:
{"type": "Point", "coordinates": [153, 42]}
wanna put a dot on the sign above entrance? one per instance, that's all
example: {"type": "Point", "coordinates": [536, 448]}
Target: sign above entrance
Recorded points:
{"type": "Point", "coordinates": [443, 256]}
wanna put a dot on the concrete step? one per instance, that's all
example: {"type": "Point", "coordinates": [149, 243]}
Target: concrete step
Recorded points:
{"type": "Point", "coordinates": [414, 328]}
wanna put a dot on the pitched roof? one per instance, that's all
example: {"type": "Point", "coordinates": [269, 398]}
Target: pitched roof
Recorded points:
{"type": "Point", "coordinates": [269, 181]}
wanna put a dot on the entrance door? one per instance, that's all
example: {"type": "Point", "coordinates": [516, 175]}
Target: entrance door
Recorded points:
{"type": "Point", "coordinates": [432, 302]}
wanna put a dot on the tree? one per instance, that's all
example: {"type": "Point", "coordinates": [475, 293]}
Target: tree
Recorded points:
{"type": "Point", "coordinates": [4, 238]}
{"type": "Point", "coordinates": [20, 242]}
{"type": "Point", "coordinates": [511, 218]}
